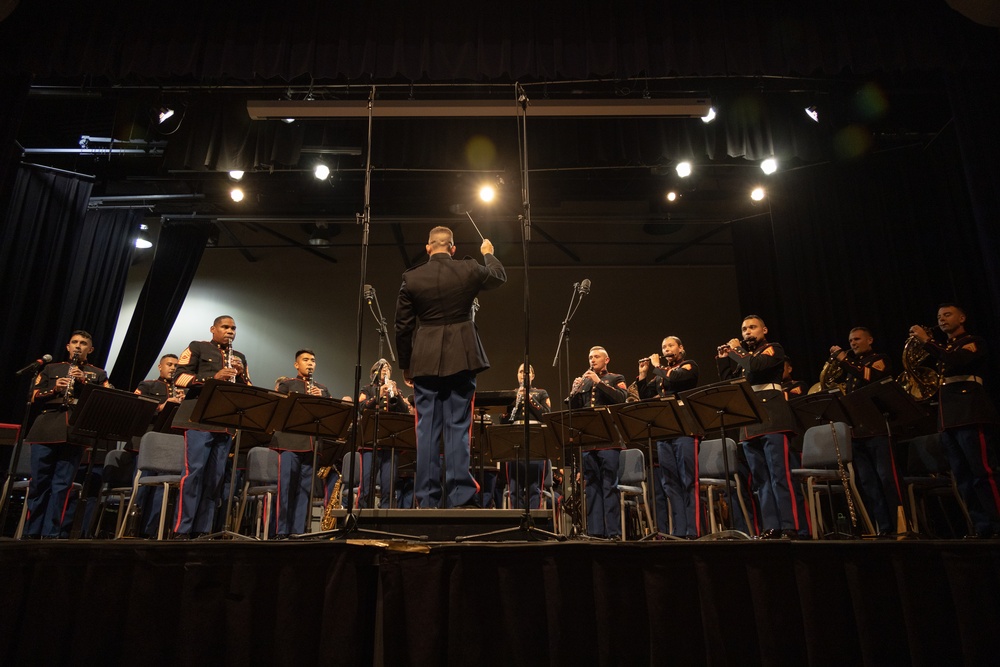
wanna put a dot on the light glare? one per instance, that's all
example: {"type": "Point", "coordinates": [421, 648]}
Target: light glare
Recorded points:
{"type": "Point", "coordinates": [709, 117]}
{"type": "Point", "coordinates": [769, 166]}
{"type": "Point", "coordinates": [757, 194]}
{"type": "Point", "coordinates": [236, 194]}
{"type": "Point", "coordinates": [671, 196]}
{"type": "Point", "coordinates": [813, 113]}
{"type": "Point", "coordinates": [684, 169]}
{"type": "Point", "coordinates": [236, 174]}
{"type": "Point", "coordinates": [322, 172]}
{"type": "Point", "coordinates": [487, 193]}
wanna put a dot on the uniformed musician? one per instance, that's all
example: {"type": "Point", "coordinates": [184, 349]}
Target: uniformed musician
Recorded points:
{"type": "Point", "coordinates": [537, 404]}
{"type": "Point", "coordinates": [966, 418]}
{"type": "Point", "coordinates": [666, 376]}
{"type": "Point", "coordinates": [874, 463]}
{"type": "Point", "coordinates": [381, 394]}
{"type": "Point", "coordinates": [594, 388]}
{"type": "Point", "coordinates": [295, 453]}
{"type": "Point", "coordinates": [55, 458]}
{"type": "Point", "coordinates": [767, 445]}
{"type": "Point", "coordinates": [206, 448]}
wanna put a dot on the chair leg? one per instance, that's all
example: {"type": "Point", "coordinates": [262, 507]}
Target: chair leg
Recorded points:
{"type": "Point", "coordinates": [24, 516]}
{"type": "Point", "coordinates": [712, 525]}
{"type": "Point", "coordinates": [163, 511]}
{"type": "Point", "coordinates": [651, 529]}
{"type": "Point", "coordinates": [621, 507]}
{"type": "Point", "coordinates": [242, 507]}
{"type": "Point", "coordinates": [813, 501]}
{"type": "Point", "coordinates": [743, 505]}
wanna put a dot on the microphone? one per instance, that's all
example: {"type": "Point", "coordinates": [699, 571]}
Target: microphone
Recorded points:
{"type": "Point", "coordinates": [369, 293]}
{"type": "Point", "coordinates": [584, 287]}
{"type": "Point", "coordinates": [35, 365]}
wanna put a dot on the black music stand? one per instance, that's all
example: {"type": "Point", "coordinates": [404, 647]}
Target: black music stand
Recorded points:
{"type": "Point", "coordinates": [388, 430]}
{"type": "Point", "coordinates": [663, 418]}
{"type": "Point", "coordinates": [722, 405]}
{"type": "Point", "coordinates": [163, 423]}
{"type": "Point", "coordinates": [506, 442]}
{"type": "Point", "coordinates": [242, 407]}
{"type": "Point", "coordinates": [105, 414]}
{"type": "Point", "coordinates": [577, 430]}
{"type": "Point", "coordinates": [316, 416]}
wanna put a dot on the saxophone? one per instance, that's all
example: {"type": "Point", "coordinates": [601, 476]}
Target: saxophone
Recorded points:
{"type": "Point", "coordinates": [329, 522]}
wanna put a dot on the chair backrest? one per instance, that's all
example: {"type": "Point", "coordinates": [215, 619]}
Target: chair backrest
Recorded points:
{"type": "Point", "coordinates": [345, 471]}
{"type": "Point", "coordinates": [631, 467]}
{"type": "Point", "coordinates": [23, 467]}
{"type": "Point", "coordinates": [820, 444]}
{"type": "Point", "coordinates": [547, 483]}
{"type": "Point", "coordinates": [262, 466]}
{"type": "Point", "coordinates": [925, 456]}
{"type": "Point", "coordinates": [710, 461]}
{"type": "Point", "coordinates": [119, 468]}
{"type": "Point", "coordinates": [161, 453]}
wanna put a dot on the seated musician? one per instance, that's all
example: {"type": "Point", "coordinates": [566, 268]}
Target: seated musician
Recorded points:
{"type": "Point", "coordinates": [537, 404]}
{"type": "Point", "coordinates": [380, 394]}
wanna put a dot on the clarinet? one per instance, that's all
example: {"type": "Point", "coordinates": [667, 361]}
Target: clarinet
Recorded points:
{"type": "Point", "coordinates": [309, 383]}
{"type": "Point", "coordinates": [68, 398]}
{"type": "Point", "coordinates": [229, 361]}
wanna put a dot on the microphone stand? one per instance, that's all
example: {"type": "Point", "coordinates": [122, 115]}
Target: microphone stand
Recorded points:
{"type": "Point", "coordinates": [527, 527]}
{"type": "Point", "coordinates": [351, 527]}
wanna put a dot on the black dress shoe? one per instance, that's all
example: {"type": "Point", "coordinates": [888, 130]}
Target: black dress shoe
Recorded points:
{"type": "Point", "coordinates": [789, 534]}
{"type": "Point", "coordinates": [181, 537]}
{"type": "Point", "coordinates": [770, 534]}
{"type": "Point", "coordinates": [471, 505]}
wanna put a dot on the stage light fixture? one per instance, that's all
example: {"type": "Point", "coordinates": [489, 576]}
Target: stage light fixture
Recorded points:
{"type": "Point", "coordinates": [709, 117]}
{"type": "Point", "coordinates": [769, 166]}
{"type": "Point", "coordinates": [321, 171]}
{"type": "Point", "coordinates": [487, 193]}
{"type": "Point", "coordinates": [683, 169]}
{"type": "Point", "coordinates": [813, 113]}
{"type": "Point", "coordinates": [757, 194]}
{"type": "Point", "coordinates": [142, 238]}
{"type": "Point", "coordinates": [236, 194]}
{"type": "Point", "coordinates": [288, 120]}
{"type": "Point", "coordinates": [165, 113]}
{"type": "Point", "coordinates": [671, 196]}
{"type": "Point", "coordinates": [236, 174]}
{"type": "Point", "coordinates": [320, 235]}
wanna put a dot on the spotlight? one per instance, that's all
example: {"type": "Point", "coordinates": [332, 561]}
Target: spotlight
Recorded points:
{"type": "Point", "coordinates": [321, 235]}
{"type": "Point", "coordinates": [757, 194]}
{"type": "Point", "coordinates": [142, 239]}
{"type": "Point", "coordinates": [709, 117]}
{"type": "Point", "coordinates": [236, 174]}
{"type": "Point", "coordinates": [288, 120]}
{"type": "Point", "coordinates": [769, 166]}
{"type": "Point", "coordinates": [813, 113]}
{"type": "Point", "coordinates": [683, 169]}
{"type": "Point", "coordinates": [236, 194]}
{"type": "Point", "coordinates": [671, 196]}
{"type": "Point", "coordinates": [165, 113]}
{"type": "Point", "coordinates": [321, 172]}
{"type": "Point", "coordinates": [487, 193]}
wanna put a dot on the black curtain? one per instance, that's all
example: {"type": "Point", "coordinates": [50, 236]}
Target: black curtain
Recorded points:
{"type": "Point", "coordinates": [178, 252]}
{"type": "Point", "coordinates": [13, 95]}
{"type": "Point", "coordinates": [62, 269]}
{"type": "Point", "coordinates": [515, 40]}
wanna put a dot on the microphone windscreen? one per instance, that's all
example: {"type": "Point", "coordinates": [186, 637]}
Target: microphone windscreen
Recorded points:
{"type": "Point", "coordinates": [47, 358]}
{"type": "Point", "coordinates": [585, 286]}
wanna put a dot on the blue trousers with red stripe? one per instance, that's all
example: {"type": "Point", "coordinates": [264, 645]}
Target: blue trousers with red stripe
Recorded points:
{"type": "Point", "coordinates": [295, 474]}
{"type": "Point", "coordinates": [878, 480]}
{"type": "Point", "coordinates": [771, 460]}
{"type": "Point", "coordinates": [205, 455]}
{"type": "Point", "coordinates": [53, 470]}
{"type": "Point", "coordinates": [679, 475]}
{"type": "Point", "coordinates": [444, 413]}
{"type": "Point", "coordinates": [973, 457]}
{"type": "Point", "coordinates": [600, 475]}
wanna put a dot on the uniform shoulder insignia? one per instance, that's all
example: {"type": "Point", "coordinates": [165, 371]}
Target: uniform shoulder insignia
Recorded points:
{"type": "Point", "coordinates": [769, 351]}
{"type": "Point", "coordinates": [879, 365]}
{"type": "Point", "coordinates": [622, 385]}
{"type": "Point", "coordinates": [971, 347]}
{"type": "Point", "coordinates": [185, 357]}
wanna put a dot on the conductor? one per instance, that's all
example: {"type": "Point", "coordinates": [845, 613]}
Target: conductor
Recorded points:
{"type": "Point", "coordinates": [440, 354]}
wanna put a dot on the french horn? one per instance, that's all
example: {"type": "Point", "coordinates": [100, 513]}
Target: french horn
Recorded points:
{"type": "Point", "coordinates": [920, 381]}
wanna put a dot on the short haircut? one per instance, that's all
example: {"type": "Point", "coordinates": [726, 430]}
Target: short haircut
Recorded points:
{"type": "Point", "coordinates": [222, 317]}
{"type": "Point", "coordinates": [168, 356]}
{"type": "Point", "coordinates": [950, 304]}
{"type": "Point", "coordinates": [675, 338]}
{"type": "Point", "coordinates": [82, 334]}
{"type": "Point", "coordinates": [865, 329]}
{"type": "Point", "coordinates": [598, 347]}
{"type": "Point", "coordinates": [435, 238]}
{"type": "Point", "coordinates": [754, 317]}
{"type": "Point", "coordinates": [304, 350]}
{"type": "Point", "coordinates": [520, 367]}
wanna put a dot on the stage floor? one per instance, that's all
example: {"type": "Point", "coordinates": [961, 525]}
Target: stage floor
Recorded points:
{"type": "Point", "coordinates": [361, 602]}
